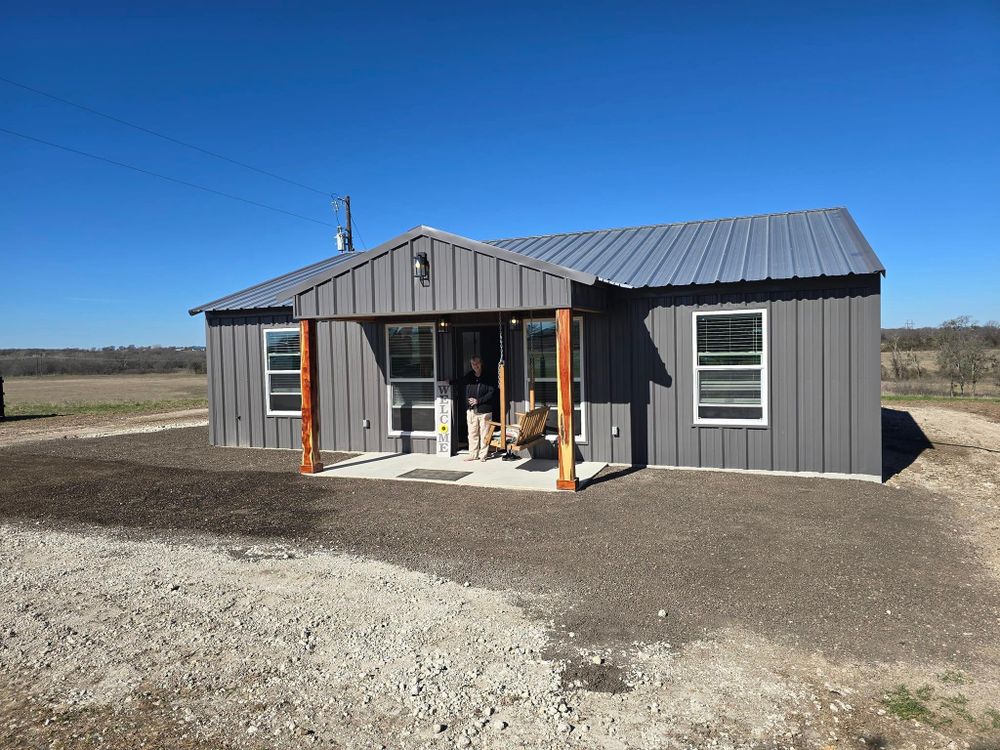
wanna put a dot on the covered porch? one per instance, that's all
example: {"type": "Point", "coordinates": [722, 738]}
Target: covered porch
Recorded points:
{"type": "Point", "coordinates": [418, 299]}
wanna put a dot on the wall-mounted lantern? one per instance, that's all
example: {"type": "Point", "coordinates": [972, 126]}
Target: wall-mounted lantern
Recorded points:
{"type": "Point", "coordinates": [422, 269]}
{"type": "Point", "coordinates": [443, 324]}
{"type": "Point", "coordinates": [515, 323]}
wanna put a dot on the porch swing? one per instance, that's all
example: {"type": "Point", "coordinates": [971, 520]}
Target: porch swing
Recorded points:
{"type": "Point", "coordinates": [530, 427]}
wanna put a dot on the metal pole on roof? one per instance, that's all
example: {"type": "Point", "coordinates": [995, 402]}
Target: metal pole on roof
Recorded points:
{"type": "Point", "coordinates": [350, 229]}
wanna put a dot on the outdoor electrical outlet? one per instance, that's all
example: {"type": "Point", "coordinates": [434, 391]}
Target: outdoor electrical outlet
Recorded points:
{"type": "Point", "coordinates": [366, 423]}
{"type": "Point", "coordinates": [614, 431]}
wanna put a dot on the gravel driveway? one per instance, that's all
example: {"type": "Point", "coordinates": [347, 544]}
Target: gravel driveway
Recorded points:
{"type": "Point", "coordinates": [653, 609]}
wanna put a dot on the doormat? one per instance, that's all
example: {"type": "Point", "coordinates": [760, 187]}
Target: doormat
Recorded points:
{"type": "Point", "coordinates": [440, 474]}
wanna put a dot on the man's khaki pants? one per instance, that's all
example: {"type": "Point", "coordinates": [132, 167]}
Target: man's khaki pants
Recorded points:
{"type": "Point", "coordinates": [477, 433]}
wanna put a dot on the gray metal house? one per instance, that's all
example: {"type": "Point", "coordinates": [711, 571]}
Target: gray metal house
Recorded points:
{"type": "Point", "coordinates": [748, 343]}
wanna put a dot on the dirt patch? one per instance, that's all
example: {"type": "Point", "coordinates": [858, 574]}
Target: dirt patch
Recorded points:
{"type": "Point", "coordinates": [989, 408]}
{"type": "Point", "coordinates": [597, 678]}
{"type": "Point", "coordinates": [954, 454]}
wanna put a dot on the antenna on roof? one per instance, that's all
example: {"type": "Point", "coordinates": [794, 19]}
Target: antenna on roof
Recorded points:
{"type": "Point", "coordinates": [345, 237]}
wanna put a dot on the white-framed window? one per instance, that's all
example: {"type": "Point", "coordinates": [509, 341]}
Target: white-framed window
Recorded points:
{"type": "Point", "coordinates": [282, 372]}
{"type": "Point", "coordinates": [730, 367]}
{"type": "Point", "coordinates": [540, 355]}
{"type": "Point", "coordinates": [411, 357]}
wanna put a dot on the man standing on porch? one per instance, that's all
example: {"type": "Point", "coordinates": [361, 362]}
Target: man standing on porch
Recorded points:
{"type": "Point", "coordinates": [479, 408]}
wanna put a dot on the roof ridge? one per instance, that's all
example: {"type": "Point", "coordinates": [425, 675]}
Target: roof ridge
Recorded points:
{"type": "Point", "coordinates": [667, 224]}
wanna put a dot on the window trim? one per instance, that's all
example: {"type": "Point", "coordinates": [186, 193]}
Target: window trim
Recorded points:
{"type": "Point", "coordinates": [763, 367]}
{"type": "Point", "coordinates": [389, 380]}
{"type": "Point", "coordinates": [584, 405]}
{"type": "Point", "coordinates": [268, 372]}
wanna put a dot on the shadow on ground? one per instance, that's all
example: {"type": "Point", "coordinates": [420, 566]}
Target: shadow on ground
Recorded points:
{"type": "Point", "coordinates": [902, 442]}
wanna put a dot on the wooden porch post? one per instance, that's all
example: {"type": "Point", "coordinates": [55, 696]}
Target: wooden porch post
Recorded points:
{"type": "Point", "coordinates": [564, 400]}
{"type": "Point", "coordinates": [310, 406]}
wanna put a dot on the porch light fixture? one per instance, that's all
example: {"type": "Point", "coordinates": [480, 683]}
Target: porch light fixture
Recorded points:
{"type": "Point", "coordinates": [515, 322]}
{"type": "Point", "coordinates": [422, 268]}
{"type": "Point", "coordinates": [443, 324]}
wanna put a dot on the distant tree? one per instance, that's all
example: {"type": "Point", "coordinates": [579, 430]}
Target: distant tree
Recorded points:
{"type": "Point", "coordinates": [963, 354]}
{"type": "Point", "coordinates": [103, 361]}
{"type": "Point", "coordinates": [991, 331]}
{"type": "Point", "coordinates": [903, 359]}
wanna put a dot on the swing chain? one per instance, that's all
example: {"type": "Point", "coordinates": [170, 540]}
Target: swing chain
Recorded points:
{"type": "Point", "coordinates": [500, 329]}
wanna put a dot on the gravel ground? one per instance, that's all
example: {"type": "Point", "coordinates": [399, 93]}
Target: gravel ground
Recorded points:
{"type": "Point", "coordinates": [159, 593]}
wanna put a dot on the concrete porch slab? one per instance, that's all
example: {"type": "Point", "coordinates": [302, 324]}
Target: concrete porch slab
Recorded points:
{"type": "Point", "coordinates": [525, 474]}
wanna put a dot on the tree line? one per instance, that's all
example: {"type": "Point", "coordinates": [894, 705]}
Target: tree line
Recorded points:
{"type": "Point", "coordinates": [108, 360]}
{"type": "Point", "coordinates": [965, 353]}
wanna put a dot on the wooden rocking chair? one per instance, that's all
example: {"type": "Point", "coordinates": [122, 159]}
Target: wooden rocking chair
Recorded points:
{"type": "Point", "coordinates": [529, 430]}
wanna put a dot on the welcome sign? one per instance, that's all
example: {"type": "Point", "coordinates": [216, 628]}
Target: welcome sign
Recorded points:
{"type": "Point", "coordinates": [442, 417]}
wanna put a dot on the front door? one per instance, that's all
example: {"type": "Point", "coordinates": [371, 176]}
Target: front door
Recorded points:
{"type": "Point", "coordinates": [470, 341]}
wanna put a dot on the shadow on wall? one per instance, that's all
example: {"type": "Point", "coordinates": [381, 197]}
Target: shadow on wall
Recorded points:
{"type": "Point", "coordinates": [647, 369]}
{"type": "Point", "coordinates": [902, 442]}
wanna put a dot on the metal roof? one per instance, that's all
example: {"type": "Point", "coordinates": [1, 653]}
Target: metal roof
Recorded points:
{"type": "Point", "coordinates": [272, 293]}
{"type": "Point", "coordinates": [795, 244]}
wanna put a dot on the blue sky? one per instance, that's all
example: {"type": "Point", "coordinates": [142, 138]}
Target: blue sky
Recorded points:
{"type": "Point", "coordinates": [514, 119]}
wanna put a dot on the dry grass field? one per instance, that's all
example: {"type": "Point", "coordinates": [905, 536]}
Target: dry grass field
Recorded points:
{"type": "Point", "coordinates": [103, 394]}
{"type": "Point", "coordinates": [80, 406]}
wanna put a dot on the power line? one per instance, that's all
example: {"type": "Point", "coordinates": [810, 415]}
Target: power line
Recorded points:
{"type": "Point", "coordinates": [165, 177]}
{"type": "Point", "coordinates": [171, 139]}
{"type": "Point", "coordinates": [354, 222]}
{"type": "Point", "coordinates": [179, 142]}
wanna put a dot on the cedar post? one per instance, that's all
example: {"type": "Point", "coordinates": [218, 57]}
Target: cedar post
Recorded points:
{"type": "Point", "coordinates": [310, 406]}
{"type": "Point", "coordinates": [564, 400]}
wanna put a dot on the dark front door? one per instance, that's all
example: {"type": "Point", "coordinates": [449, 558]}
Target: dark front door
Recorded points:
{"type": "Point", "coordinates": [470, 341]}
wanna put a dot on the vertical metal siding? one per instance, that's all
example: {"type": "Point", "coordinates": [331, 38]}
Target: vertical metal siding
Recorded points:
{"type": "Point", "coordinates": [237, 409]}
{"type": "Point", "coordinates": [823, 382]}
{"type": "Point", "coordinates": [213, 379]}
{"type": "Point", "coordinates": [809, 404]}
{"type": "Point", "coordinates": [351, 387]}
{"type": "Point", "coordinates": [597, 382]}
{"type": "Point", "coordinates": [619, 366]}
{"type": "Point", "coordinates": [866, 375]}
{"type": "Point", "coordinates": [460, 279]}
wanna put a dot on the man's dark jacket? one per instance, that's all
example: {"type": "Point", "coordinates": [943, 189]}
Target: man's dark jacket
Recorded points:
{"type": "Point", "coordinates": [481, 388]}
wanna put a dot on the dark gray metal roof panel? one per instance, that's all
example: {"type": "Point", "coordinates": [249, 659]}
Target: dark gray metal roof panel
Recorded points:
{"type": "Point", "coordinates": [796, 244]}
{"type": "Point", "coordinates": [273, 293]}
